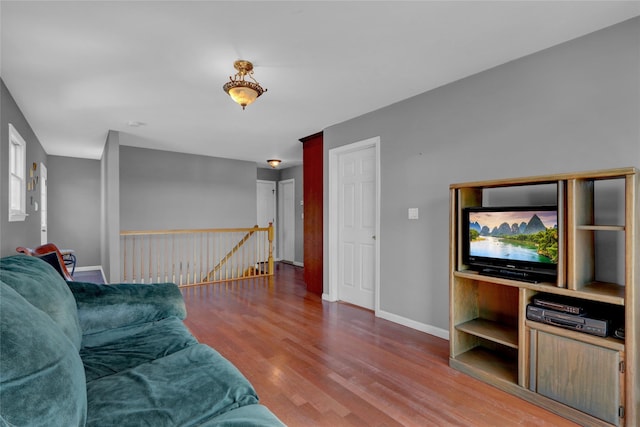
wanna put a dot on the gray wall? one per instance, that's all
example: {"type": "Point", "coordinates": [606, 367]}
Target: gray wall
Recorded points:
{"type": "Point", "coordinates": [27, 232]}
{"type": "Point", "coordinates": [110, 207]}
{"type": "Point", "coordinates": [166, 190]}
{"type": "Point", "coordinates": [569, 108]}
{"type": "Point", "coordinates": [74, 206]}
{"type": "Point", "coordinates": [268, 174]}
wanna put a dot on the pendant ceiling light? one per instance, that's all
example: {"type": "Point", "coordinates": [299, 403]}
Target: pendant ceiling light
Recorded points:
{"type": "Point", "coordinates": [240, 90]}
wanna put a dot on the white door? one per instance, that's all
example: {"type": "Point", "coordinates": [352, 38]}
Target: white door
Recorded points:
{"type": "Point", "coordinates": [266, 204]}
{"type": "Point", "coordinates": [43, 204]}
{"type": "Point", "coordinates": [357, 194]}
{"type": "Point", "coordinates": [286, 197]}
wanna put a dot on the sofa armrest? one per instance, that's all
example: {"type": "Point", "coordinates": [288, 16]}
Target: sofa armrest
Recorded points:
{"type": "Point", "coordinates": [102, 307]}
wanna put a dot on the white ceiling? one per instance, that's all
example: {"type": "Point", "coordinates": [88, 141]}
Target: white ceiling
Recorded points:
{"type": "Point", "coordinates": [80, 68]}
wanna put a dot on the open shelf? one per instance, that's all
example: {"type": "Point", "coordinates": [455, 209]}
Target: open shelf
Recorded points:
{"type": "Point", "coordinates": [611, 293]}
{"type": "Point", "coordinates": [486, 362]}
{"type": "Point", "coordinates": [492, 331]}
{"type": "Point", "coordinates": [601, 227]}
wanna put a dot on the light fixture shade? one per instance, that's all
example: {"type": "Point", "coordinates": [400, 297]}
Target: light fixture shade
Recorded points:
{"type": "Point", "coordinates": [240, 90]}
{"type": "Point", "coordinates": [274, 162]}
{"type": "Point", "coordinates": [241, 93]}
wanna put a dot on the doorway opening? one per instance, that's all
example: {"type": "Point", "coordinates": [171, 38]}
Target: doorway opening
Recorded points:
{"type": "Point", "coordinates": [266, 208]}
{"type": "Point", "coordinates": [287, 220]}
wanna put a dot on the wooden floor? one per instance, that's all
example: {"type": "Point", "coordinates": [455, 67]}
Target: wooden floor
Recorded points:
{"type": "Point", "coordinates": [316, 363]}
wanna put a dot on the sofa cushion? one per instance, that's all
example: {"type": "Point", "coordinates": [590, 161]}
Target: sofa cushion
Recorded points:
{"type": "Point", "coordinates": [245, 416]}
{"type": "Point", "coordinates": [42, 286]}
{"type": "Point", "coordinates": [41, 375]}
{"type": "Point", "coordinates": [185, 388]}
{"type": "Point", "coordinates": [113, 351]}
{"type": "Point", "coordinates": [102, 307]}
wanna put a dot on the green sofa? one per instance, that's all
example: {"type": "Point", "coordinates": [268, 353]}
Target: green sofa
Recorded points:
{"type": "Point", "coordinates": [76, 354]}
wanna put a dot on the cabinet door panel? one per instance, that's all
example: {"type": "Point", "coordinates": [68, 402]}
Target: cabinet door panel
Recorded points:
{"type": "Point", "coordinates": [581, 375]}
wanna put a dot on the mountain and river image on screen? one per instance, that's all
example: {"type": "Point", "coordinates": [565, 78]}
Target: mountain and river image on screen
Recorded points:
{"type": "Point", "coordinates": [515, 235]}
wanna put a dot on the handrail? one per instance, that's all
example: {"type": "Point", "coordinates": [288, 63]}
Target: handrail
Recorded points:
{"type": "Point", "coordinates": [186, 256]}
{"type": "Point", "coordinates": [189, 230]}
{"type": "Point", "coordinates": [230, 254]}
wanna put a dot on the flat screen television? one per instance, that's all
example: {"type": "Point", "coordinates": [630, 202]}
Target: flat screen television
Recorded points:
{"type": "Point", "coordinates": [514, 242]}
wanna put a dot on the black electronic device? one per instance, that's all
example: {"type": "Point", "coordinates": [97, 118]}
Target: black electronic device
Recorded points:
{"type": "Point", "coordinates": [505, 273]}
{"type": "Point", "coordinates": [557, 303]}
{"type": "Point", "coordinates": [519, 243]}
{"type": "Point", "coordinates": [580, 323]}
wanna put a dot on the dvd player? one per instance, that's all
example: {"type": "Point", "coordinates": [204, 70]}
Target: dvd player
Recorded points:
{"type": "Point", "coordinates": [558, 304]}
{"type": "Point", "coordinates": [576, 322]}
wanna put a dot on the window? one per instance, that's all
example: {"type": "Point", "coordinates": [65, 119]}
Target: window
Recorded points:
{"type": "Point", "coordinates": [17, 176]}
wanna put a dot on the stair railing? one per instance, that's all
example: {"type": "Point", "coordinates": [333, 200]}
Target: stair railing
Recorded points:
{"type": "Point", "coordinates": [196, 256]}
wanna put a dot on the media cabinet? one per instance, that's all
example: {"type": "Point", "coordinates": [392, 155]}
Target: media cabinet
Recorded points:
{"type": "Point", "coordinates": [589, 379]}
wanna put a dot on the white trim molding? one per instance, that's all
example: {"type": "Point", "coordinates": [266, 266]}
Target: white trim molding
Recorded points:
{"type": "Point", "coordinates": [423, 327]}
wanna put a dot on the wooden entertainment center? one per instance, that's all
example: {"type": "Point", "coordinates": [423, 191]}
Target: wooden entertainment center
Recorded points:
{"type": "Point", "coordinates": [589, 379]}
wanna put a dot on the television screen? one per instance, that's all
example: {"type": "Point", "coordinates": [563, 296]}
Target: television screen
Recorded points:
{"type": "Point", "coordinates": [516, 237]}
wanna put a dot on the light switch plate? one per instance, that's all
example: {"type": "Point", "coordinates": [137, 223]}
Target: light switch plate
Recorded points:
{"type": "Point", "coordinates": [413, 213]}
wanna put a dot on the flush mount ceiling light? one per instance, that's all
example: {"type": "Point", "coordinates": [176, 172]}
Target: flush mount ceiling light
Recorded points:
{"type": "Point", "coordinates": [274, 162]}
{"type": "Point", "coordinates": [240, 90]}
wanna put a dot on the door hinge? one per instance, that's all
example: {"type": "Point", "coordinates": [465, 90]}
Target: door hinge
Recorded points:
{"type": "Point", "coordinates": [621, 411]}
{"type": "Point", "coordinates": [621, 366]}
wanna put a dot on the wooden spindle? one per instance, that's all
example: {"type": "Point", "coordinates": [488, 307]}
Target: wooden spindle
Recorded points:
{"type": "Point", "coordinates": [124, 261]}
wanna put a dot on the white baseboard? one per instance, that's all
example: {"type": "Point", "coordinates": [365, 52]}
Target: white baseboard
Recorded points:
{"type": "Point", "coordinates": [89, 268]}
{"type": "Point", "coordinates": [326, 297]}
{"type": "Point", "coordinates": [296, 263]}
{"type": "Point", "coordinates": [93, 268]}
{"type": "Point", "coordinates": [423, 327]}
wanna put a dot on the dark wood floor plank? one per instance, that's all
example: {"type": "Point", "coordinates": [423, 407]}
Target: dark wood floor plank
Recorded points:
{"type": "Point", "coordinates": [316, 363]}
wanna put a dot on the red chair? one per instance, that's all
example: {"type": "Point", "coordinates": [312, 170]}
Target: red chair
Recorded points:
{"type": "Point", "coordinates": [51, 254]}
